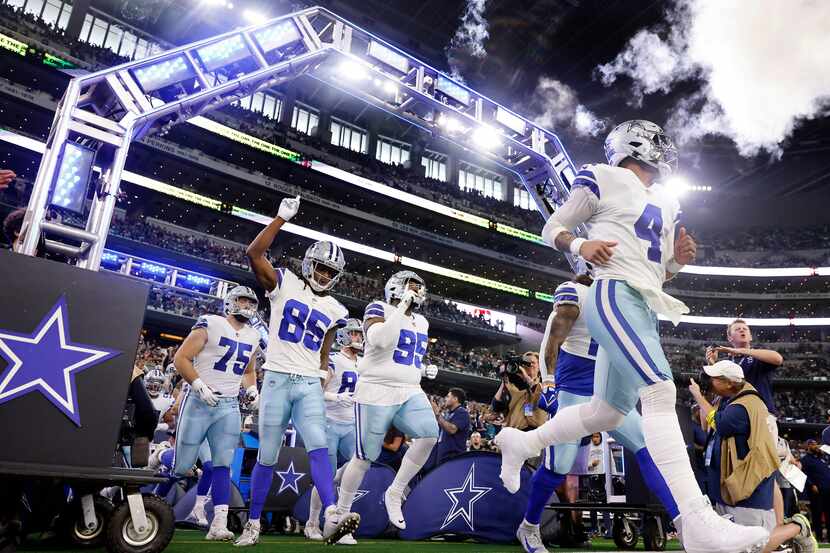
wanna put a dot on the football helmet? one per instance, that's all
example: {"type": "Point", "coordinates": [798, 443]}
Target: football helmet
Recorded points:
{"type": "Point", "coordinates": [643, 141]}
{"type": "Point", "coordinates": [232, 306]}
{"type": "Point", "coordinates": [344, 335]}
{"type": "Point", "coordinates": [399, 282]}
{"type": "Point", "coordinates": [154, 382]}
{"type": "Point", "coordinates": [327, 254]}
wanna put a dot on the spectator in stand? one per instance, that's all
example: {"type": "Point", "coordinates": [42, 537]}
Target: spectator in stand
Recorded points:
{"type": "Point", "coordinates": [476, 443]}
{"type": "Point", "coordinates": [815, 465]}
{"type": "Point", "coordinates": [454, 425]}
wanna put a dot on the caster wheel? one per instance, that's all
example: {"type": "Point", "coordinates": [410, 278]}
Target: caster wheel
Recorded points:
{"type": "Point", "coordinates": [124, 537]}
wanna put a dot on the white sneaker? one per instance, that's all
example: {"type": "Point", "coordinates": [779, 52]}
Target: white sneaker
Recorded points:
{"type": "Point", "coordinates": [514, 452]}
{"type": "Point", "coordinates": [198, 517]}
{"type": "Point", "coordinates": [706, 532]}
{"type": "Point", "coordinates": [393, 509]}
{"type": "Point", "coordinates": [312, 531]}
{"type": "Point", "coordinates": [348, 539]}
{"type": "Point", "coordinates": [530, 538]}
{"type": "Point", "coordinates": [250, 535]}
{"type": "Point", "coordinates": [219, 533]}
{"type": "Point", "coordinates": [338, 524]}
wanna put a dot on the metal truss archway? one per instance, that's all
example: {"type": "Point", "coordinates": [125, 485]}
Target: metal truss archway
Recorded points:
{"type": "Point", "coordinates": [104, 112]}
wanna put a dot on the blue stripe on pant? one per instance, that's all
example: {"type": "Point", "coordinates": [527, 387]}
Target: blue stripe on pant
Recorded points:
{"type": "Point", "coordinates": [414, 418]}
{"type": "Point", "coordinates": [292, 397]}
{"type": "Point", "coordinates": [219, 425]}
{"type": "Point", "coordinates": [630, 355]}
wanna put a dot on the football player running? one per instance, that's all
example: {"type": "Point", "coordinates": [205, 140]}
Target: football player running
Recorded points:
{"type": "Point", "coordinates": [304, 319]}
{"type": "Point", "coordinates": [339, 391]}
{"type": "Point", "coordinates": [389, 391]}
{"type": "Point", "coordinates": [634, 248]}
{"type": "Point", "coordinates": [569, 348]}
{"type": "Point", "coordinates": [216, 356]}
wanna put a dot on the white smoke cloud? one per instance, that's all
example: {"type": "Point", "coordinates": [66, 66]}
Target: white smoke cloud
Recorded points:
{"type": "Point", "coordinates": [555, 105]}
{"type": "Point", "coordinates": [469, 37]}
{"type": "Point", "coordinates": [763, 67]}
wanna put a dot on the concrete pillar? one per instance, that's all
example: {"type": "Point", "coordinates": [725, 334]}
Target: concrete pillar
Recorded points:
{"type": "Point", "coordinates": [76, 19]}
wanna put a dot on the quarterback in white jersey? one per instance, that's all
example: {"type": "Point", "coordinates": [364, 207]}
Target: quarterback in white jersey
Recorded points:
{"type": "Point", "coordinates": [388, 392]}
{"type": "Point", "coordinates": [304, 320]}
{"type": "Point", "coordinates": [633, 248]}
{"type": "Point", "coordinates": [339, 389]}
{"type": "Point", "coordinates": [214, 359]}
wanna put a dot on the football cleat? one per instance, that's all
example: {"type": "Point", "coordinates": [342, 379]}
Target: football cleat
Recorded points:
{"type": "Point", "coordinates": [338, 524]}
{"type": "Point", "coordinates": [250, 535]}
{"type": "Point", "coordinates": [312, 532]}
{"type": "Point", "coordinates": [393, 509]}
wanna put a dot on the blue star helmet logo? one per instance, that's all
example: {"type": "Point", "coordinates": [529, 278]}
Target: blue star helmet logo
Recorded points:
{"type": "Point", "coordinates": [464, 499]}
{"type": "Point", "coordinates": [47, 361]}
{"type": "Point", "coordinates": [289, 479]}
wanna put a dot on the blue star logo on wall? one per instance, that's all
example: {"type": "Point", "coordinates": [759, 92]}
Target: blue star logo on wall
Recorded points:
{"type": "Point", "coordinates": [358, 494]}
{"type": "Point", "coordinates": [289, 479]}
{"type": "Point", "coordinates": [47, 361]}
{"type": "Point", "coordinates": [464, 499]}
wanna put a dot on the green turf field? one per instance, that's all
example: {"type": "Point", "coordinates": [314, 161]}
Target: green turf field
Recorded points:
{"type": "Point", "coordinates": [188, 541]}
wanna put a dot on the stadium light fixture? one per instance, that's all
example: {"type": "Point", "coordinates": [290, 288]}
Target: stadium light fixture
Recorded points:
{"type": "Point", "coordinates": [677, 185]}
{"type": "Point", "coordinates": [159, 75]}
{"type": "Point", "coordinates": [486, 137]}
{"type": "Point", "coordinates": [388, 56]}
{"type": "Point", "coordinates": [352, 71]}
{"type": "Point", "coordinates": [277, 35]}
{"type": "Point", "coordinates": [510, 120]}
{"type": "Point", "coordinates": [390, 87]}
{"type": "Point", "coordinates": [225, 52]}
{"type": "Point", "coordinates": [450, 124]}
{"type": "Point", "coordinates": [453, 90]}
{"type": "Point", "coordinates": [253, 16]}
{"type": "Point", "coordinates": [72, 178]}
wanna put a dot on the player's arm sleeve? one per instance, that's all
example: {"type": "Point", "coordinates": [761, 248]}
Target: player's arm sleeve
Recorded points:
{"type": "Point", "coordinates": [201, 322]}
{"type": "Point", "coordinates": [281, 275]}
{"type": "Point", "coordinates": [383, 333]}
{"type": "Point", "coordinates": [582, 204]}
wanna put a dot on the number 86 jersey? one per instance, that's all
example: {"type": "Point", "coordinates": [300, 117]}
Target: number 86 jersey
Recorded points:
{"type": "Point", "coordinates": [300, 320]}
{"type": "Point", "coordinates": [398, 366]}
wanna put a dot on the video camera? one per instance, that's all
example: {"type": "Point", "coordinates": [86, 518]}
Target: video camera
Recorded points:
{"type": "Point", "coordinates": [510, 369]}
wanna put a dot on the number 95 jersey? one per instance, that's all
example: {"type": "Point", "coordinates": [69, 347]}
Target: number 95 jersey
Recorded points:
{"type": "Point", "coordinates": [299, 322]}
{"type": "Point", "coordinates": [226, 354]}
{"type": "Point", "coordinates": [398, 366]}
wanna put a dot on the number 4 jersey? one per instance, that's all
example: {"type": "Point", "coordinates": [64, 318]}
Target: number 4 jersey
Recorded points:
{"type": "Point", "coordinates": [300, 320]}
{"type": "Point", "coordinates": [389, 376]}
{"type": "Point", "coordinates": [226, 354]}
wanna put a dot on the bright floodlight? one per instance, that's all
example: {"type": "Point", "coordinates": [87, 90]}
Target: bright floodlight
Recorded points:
{"type": "Point", "coordinates": [253, 16]}
{"type": "Point", "coordinates": [352, 70]}
{"type": "Point", "coordinates": [279, 34]}
{"type": "Point", "coordinates": [162, 74]}
{"type": "Point", "coordinates": [73, 177]}
{"type": "Point", "coordinates": [486, 137]}
{"type": "Point", "coordinates": [451, 124]}
{"type": "Point", "coordinates": [390, 87]}
{"type": "Point", "coordinates": [222, 53]}
{"type": "Point", "coordinates": [677, 185]}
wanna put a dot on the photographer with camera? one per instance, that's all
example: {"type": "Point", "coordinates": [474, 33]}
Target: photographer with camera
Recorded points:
{"type": "Point", "coordinates": [518, 395]}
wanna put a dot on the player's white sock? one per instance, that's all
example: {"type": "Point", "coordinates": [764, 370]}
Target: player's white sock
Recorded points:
{"type": "Point", "coordinates": [315, 507]}
{"type": "Point", "coordinates": [199, 505]}
{"type": "Point", "coordinates": [220, 516]}
{"type": "Point", "coordinates": [350, 482]}
{"type": "Point", "coordinates": [412, 462]}
{"type": "Point", "coordinates": [573, 423]}
{"type": "Point", "coordinates": [665, 443]}
{"type": "Point", "coordinates": [338, 476]}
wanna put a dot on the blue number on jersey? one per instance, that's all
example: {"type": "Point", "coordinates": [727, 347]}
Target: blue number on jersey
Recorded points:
{"type": "Point", "coordinates": [347, 382]}
{"type": "Point", "coordinates": [649, 227]}
{"type": "Point", "coordinates": [301, 323]}
{"type": "Point", "coordinates": [411, 348]}
{"type": "Point", "coordinates": [592, 347]}
{"type": "Point", "coordinates": [243, 355]}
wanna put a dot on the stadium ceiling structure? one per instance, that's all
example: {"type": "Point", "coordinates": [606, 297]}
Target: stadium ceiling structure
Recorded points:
{"type": "Point", "coordinates": [102, 113]}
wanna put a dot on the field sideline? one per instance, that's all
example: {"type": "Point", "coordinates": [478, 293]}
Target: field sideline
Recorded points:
{"type": "Point", "coordinates": [186, 541]}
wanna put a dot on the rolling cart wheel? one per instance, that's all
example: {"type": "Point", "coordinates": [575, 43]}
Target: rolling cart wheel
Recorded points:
{"type": "Point", "coordinates": [625, 533]}
{"type": "Point", "coordinates": [123, 537]}
{"type": "Point", "coordinates": [74, 530]}
{"type": "Point", "coordinates": [654, 536]}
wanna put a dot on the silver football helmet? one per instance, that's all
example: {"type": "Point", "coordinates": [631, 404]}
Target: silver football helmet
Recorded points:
{"type": "Point", "coordinates": [643, 141]}
{"type": "Point", "coordinates": [399, 282]}
{"type": "Point", "coordinates": [344, 336]}
{"type": "Point", "coordinates": [327, 254]}
{"type": "Point", "coordinates": [232, 306]}
{"type": "Point", "coordinates": [154, 382]}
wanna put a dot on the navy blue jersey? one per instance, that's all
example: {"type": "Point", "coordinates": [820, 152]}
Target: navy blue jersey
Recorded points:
{"type": "Point", "coordinates": [759, 374]}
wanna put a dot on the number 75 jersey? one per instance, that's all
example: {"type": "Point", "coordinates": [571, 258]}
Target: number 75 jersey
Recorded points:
{"type": "Point", "coordinates": [642, 221]}
{"type": "Point", "coordinates": [225, 355]}
{"type": "Point", "coordinates": [399, 365]}
{"type": "Point", "coordinates": [300, 320]}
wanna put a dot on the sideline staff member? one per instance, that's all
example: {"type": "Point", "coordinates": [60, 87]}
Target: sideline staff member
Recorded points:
{"type": "Point", "coordinates": [518, 395]}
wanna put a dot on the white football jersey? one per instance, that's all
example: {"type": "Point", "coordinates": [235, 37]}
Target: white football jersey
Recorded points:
{"type": "Point", "coordinates": [399, 365]}
{"type": "Point", "coordinates": [343, 380]}
{"type": "Point", "coordinates": [642, 220]}
{"type": "Point", "coordinates": [162, 403]}
{"type": "Point", "coordinates": [225, 356]}
{"type": "Point", "coordinates": [300, 320]}
{"type": "Point", "coordinates": [579, 341]}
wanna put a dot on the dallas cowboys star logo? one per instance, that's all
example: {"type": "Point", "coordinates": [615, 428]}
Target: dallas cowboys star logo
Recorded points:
{"type": "Point", "coordinates": [357, 494]}
{"type": "Point", "coordinates": [464, 499]}
{"type": "Point", "coordinates": [289, 479]}
{"type": "Point", "coordinates": [47, 361]}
